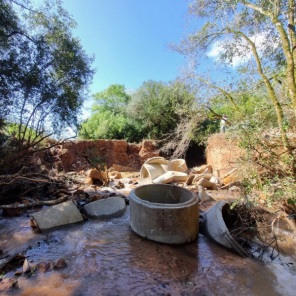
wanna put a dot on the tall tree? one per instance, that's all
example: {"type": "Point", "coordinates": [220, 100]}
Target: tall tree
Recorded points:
{"type": "Point", "coordinates": [44, 72]}
{"type": "Point", "coordinates": [256, 37]}
{"type": "Point", "coordinates": [109, 119]}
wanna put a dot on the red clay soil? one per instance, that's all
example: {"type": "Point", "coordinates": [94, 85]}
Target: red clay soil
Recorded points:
{"type": "Point", "coordinates": [223, 153]}
{"type": "Point", "coordinates": [70, 156]}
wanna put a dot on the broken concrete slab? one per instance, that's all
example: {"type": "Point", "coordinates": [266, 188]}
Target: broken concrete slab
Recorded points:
{"type": "Point", "coordinates": [158, 170]}
{"type": "Point", "coordinates": [165, 178]}
{"type": "Point", "coordinates": [58, 215]}
{"type": "Point", "coordinates": [178, 165]}
{"type": "Point", "coordinates": [206, 183]}
{"type": "Point", "coordinates": [113, 206]}
{"type": "Point", "coordinates": [203, 196]}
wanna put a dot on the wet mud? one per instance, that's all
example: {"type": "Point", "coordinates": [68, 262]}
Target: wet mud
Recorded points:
{"type": "Point", "coordinates": [107, 258]}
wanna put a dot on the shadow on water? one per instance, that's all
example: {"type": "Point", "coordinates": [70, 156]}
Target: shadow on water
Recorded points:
{"type": "Point", "coordinates": [107, 258]}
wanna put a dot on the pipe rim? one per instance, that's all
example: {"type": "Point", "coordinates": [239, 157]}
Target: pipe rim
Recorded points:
{"type": "Point", "coordinates": [193, 198]}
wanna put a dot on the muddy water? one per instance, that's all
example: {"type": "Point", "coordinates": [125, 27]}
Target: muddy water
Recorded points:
{"type": "Point", "coordinates": [107, 258]}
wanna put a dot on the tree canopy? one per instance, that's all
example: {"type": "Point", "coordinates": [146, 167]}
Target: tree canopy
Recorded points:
{"type": "Point", "coordinates": [44, 71]}
{"type": "Point", "coordinates": [256, 38]}
{"type": "Point", "coordinates": [153, 111]}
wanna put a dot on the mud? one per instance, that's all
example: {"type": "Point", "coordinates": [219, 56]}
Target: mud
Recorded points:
{"type": "Point", "coordinates": [107, 258]}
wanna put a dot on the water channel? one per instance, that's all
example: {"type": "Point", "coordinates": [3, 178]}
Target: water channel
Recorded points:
{"type": "Point", "coordinates": [107, 258]}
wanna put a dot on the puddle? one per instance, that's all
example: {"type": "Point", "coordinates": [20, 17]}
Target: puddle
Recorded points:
{"type": "Point", "coordinates": [107, 258]}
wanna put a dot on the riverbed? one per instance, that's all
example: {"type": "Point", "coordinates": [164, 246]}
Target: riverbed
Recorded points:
{"type": "Point", "coordinates": [107, 258]}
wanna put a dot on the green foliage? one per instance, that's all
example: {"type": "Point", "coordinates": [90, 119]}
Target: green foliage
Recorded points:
{"type": "Point", "coordinates": [152, 111]}
{"type": "Point", "coordinates": [159, 107]}
{"type": "Point", "coordinates": [109, 119]}
{"type": "Point", "coordinates": [113, 99]}
{"type": "Point", "coordinates": [107, 125]}
{"type": "Point", "coordinates": [44, 71]}
{"type": "Point", "coordinates": [254, 84]}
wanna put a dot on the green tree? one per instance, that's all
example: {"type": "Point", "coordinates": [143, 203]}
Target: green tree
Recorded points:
{"type": "Point", "coordinates": [113, 99]}
{"type": "Point", "coordinates": [160, 106]}
{"type": "Point", "coordinates": [258, 39]}
{"type": "Point", "coordinates": [44, 72]}
{"type": "Point", "coordinates": [153, 111]}
{"type": "Point", "coordinates": [109, 119]}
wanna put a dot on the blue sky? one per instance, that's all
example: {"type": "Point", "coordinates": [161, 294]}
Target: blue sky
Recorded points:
{"type": "Point", "coordinates": [130, 38]}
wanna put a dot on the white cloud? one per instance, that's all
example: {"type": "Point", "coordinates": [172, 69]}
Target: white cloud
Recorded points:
{"type": "Point", "coordinates": [243, 48]}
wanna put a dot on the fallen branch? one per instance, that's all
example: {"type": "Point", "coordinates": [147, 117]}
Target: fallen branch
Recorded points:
{"type": "Point", "coordinates": [35, 203]}
{"type": "Point", "coordinates": [25, 178]}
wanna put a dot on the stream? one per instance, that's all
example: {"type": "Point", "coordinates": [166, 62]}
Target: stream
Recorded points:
{"type": "Point", "coordinates": [107, 258]}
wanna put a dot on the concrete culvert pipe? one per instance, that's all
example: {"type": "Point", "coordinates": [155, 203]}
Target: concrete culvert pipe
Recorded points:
{"type": "Point", "coordinates": [164, 213]}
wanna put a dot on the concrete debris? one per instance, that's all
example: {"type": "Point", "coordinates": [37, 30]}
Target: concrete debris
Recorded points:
{"type": "Point", "coordinates": [165, 178]}
{"type": "Point", "coordinates": [206, 183]}
{"type": "Point", "coordinates": [106, 208]}
{"type": "Point", "coordinates": [26, 266]}
{"type": "Point", "coordinates": [189, 180]}
{"type": "Point", "coordinates": [203, 169]}
{"type": "Point", "coordinates": [158, 170]}
{"type": "Point", "coordinates": [58, 215]}
{"type": "Point", "coordinates": [202, 195]}
{"type": "Point", "coordinates": [213, 226]}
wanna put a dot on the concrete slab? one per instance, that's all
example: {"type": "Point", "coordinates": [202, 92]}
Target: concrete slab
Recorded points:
{"type": "Point", "coordinates": [113, 206]}
{"type": "Point", "coordinates": [57, 215]}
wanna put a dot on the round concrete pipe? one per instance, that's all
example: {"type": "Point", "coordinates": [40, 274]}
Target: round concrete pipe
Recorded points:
{"type": "Point", "coordinates": [164, 213]}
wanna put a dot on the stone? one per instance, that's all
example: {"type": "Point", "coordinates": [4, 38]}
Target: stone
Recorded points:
{"type": "Point", "coordinates": [115, 175]}
{"type": "Point", "coordinates": [113, 206]}
{"type": "Point", "coordinates": [94, 174]}
{"type": "Point", "coordinates": [89, 181]}
{"type": "Point", "coordinates": [44, 266]}
{"type": "Point", "coordinates": [61, 263]}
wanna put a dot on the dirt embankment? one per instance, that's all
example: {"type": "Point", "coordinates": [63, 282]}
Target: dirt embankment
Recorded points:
{"type": "Point", "coordinates": [223, 153]}
{"type": "Point", "coordinates": [71, 156]}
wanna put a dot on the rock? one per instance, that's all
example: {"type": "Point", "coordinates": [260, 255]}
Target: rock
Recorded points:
{"type": "Point", "coordinates": [119, 185]}
{"type": "Point", "coordinates": [115, 175]}
{"type": "Point", "coordinates": [94, 174]}
{"type": "Point", "coordinates": [11, 212]}
{"type": "Point", "coordinates": [89, 181]}
{"type": "Point", "coordinates": [18, 273]}
{"type": "Point", "coordinates": [43, 266]}
{"type": "Point", "coordinates": [214, 180]}
{"type": "Point", "coordinates": [61, 263]}
{"type": "Point", "coordinates": [235, 189]}
{"type": "Point", "coordinates": [111, 207]}
{"type": "Point", "coordinates": [96, 197]}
